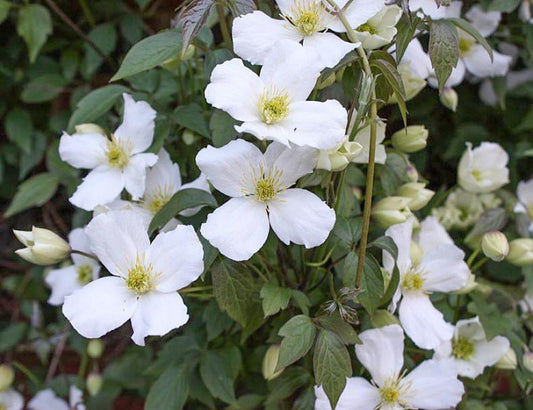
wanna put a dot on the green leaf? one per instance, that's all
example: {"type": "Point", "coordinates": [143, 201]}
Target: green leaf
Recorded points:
{"type": "Point", "coordinates": [239, 7]}
{"type": "Point", "coordinates": [275, 298]}
{"type": "Point", "coordinates": [348, 230]}
{"type": "Point", "coordinates": [490, 316]}
{"type": "Point", "coordinates": [298, 337]}
{"type": "Point", "coordinates": [181, 200]}
{"type": "Point", "coordinates": [170, 390]}
{"type": "Point", "coordinates": [192, 18]}
{"type": "Point", "coordinates": [142, 3]}
{"type": "Point", "coordinates": [443, 49]}
{"type": "Point", "coordinates": [94, 104]}
{"type": "Point", "coordinates": [507, 6]}
{"type": "Point", "coordinates": [149, 53]}
{"type": "Point", "coordinates": [237, 292]}
{"type": "Point", "coordinates": [343, 330]}
{"type": "Point", "coordinates": [191, 116]}
{"type": "Point", "coordinates": [285, 385]}
{"type": "Point", "coordinates": [391, 287]}
{"type": "Point", "coordinates": [371, 285]}
{"type": "Point", "coordinates": [104, 36]}
{"type": "Point", "coordinates": [406, 30]}
{"type": "Point", "coordinates": [4, 10]}
{"type": "Point", "coordinates": [222, 127]}
{"type": "Point", "coordinates": [34, 25]}
{"type": "Point", "coordinates": [331, 365]}
{"type": "Point", "coordinates": [216, 376]}
{"type": "Point", "coordinates": [35, 191]}
{"type": "Point", "coordinates": [19, 128]}
{"type": "Point", "coordinates": [43, 88]}
{"type": "Point", "coordinates": [470, 29]}
{"type": "Point", "coordinates": [387, 244]}
{"type": "Point", "coordinates": [11, 336]}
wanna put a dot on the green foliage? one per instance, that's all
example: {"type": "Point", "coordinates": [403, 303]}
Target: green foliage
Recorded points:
{"type": "Point", "coordinates": [443, 49]}
{"type": "Point", "coordinates": [35, 191]}
{"type": "Point", "coordinates": [298, 338]}
{"type": "Point", "coordinates": [34, 25]}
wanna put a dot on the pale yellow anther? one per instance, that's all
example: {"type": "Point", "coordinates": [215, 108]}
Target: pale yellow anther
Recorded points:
{"type": "Point", "coordinates": [273, 106]}
{"type": "Point", "coordinates": [117, 154]}
{"type": "Point", "coordinates": [85, 274]}
{"type": "Point", "coordinates": [308, 16]}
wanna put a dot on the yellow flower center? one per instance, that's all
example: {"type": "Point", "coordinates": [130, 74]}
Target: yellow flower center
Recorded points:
{"type": "Point", "coordinates": [267, 185]}
{"type": "Point", "coordinates": [465, 45]}
{"type": "Point", "coordinates": [367, 28]}
{"type": "Point", "coordinates": [392, 392]}
{"type": "Point", "coordinates": [85, 274]}
{"type": "Point", "coordinates": [140, 278]}
{"type": "Point", "coordinates": [308, 16]}
{"type": "Point", "coordinates": [159, 200]}
{"type": "Point", "coordinates": [477, 175]}
{"type": "Point", "coordinates": [530, 211]}
{"type": "Point", "coordinates": [117, 154]}
{"type": "Point", "coordinates": [273, 106]}
{"type": "Point", "coordinates": [462, 348]}
{"type": "Point", "coordinates": [413, 281]}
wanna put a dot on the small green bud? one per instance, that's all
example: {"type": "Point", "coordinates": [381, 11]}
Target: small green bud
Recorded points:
{"type": "Point", "coordinates": [520, 252]}
{"type": "Point", "coordinates": [391, 210]}
{"type": "Point", "coordinates": [6, 377]}
{"type": "Point", "coordinates": [270, 361]}
{"type": "Point", "coordinates": [527, 359]}
{"type": "Point", "coordinates": [94, 383]}
{"type": "Point", "coordinates": [449, 99]}
{"type": "Point", "coordinates": [495, 245]}
{"type": "Point", "coordinates": [417, 193]}
{"type": "Point", "coordinates": [95, 348]}
{"type": "Point", "coordinates": [410, 139]}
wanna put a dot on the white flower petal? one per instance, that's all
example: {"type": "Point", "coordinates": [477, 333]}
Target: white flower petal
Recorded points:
{"type": "Point", "coordinates": [489, 352]}
{"type": "Point", "coordinates": [317, 124]}
{"type": "Point", "coordinates": [358, 394]}
{"type": "Point", "coordinates": [101, 186]}
{"type": "Point", "coordinates": [135, 174]}
{"type": "Point", "coordinates": [231, 167]}
{"type": "Point", "coordinates": [75, 398]}
{"type": "Point", "coordinates": [294, 162]}
{"type": "Point", "coordinates": [137, 127]}
{"type": "Point", "coordinates": [433, 385]}
{"type": "Point", "coordinates": [78, 240]}
{"type": "Point", "coordinates": [524, 192]}
{"type": "Point", "coordinates": [278, 132]}
{"type": "Point", "coordinates": [235, 89]}
{"type": "Point", "coordinates": [12, 399]}
{"type": "Point", "coordinates": [100, 306]}
{"type": "Point", "coordinates": [432, 234]}
{"type": "Point", "coordinates": [299, 216]}
{"type": "Point", "coordinates": [401, 235]}
{"type": "Point", "coordinates": [254, 35]}
{"type": "Point", "coordinates": [83, 150]}
{"type": "Point", "coordinates": [47, 400]}
{"type": "Point", "coordinates": [357, 13]}
{"type": "Point", "coordinates": [381, 352]}
{"type": "Point", "coordinates": [157, 314]}
{"type": "Point", "coordinates": [238, 228]}
{"type": "Point", "coordinates": [478, 62]}
{"type": "Point", "coordinates": [177, 257]}
{"type": "Point", "coordinates": [329, 47]}
{"type": "Point", "coordinates": [63, 282]}
{"type": "Point", "coordinates": [363, 138]}
{"type": "Point", "coordinates": [485, 22]}
{"type": "Point", "coordinates": [422, 322]}
{"type": "Point", "coordinates": [445, 269]}
{"type": "Point", "coordinates": [164, 176]}
{"type": "Point", "coordinates": [117, 238]}
{"type": "Point", "coordinates": [291, 67]}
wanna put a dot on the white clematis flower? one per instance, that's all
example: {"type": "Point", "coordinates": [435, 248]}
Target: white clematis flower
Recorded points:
{"type": "Point", "coordinates": [432, 385]}
{"type": "Point", "coordinates": [441, 269]}
{"type": "Point", "coordinates": [259, 187]}
{"type": "Point", "coordinates": [11, 399]}
{"type": "Point", "coordinates": [484, 168]}
{"type": "Point", "coordinates": [256, 34]}
{"type": "Point", "coordinates": [380, 29]}
{"type": "Point", "coordinates": [524, 192]}
{"type": "Point", "coordinates": [273, 105]}
{"type": "Point", "coordinates": [116, 163]}
{"type": "Point", "coordinates": [65, 281]}
{"type": "Point", "coordinates": [144, 281]}
{"type": "Point", "coordinates": [47, 400]}
{"type": "Point", "coordinates": [470, 349]}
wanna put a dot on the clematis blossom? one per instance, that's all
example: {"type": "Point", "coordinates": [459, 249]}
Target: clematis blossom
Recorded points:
{"type": "Point", "coordinates": [432, 385]}
{"type": "Point", "coordinates": [441, 268]}
{"type": "Point", "coordinates": [273, 105]}
{"type": "Point", "coordinates": [116, 163]}
{"type": "Point", "coordinates": [380, 29]}
{"type": "Point", "coordinates": [524, 192]}
{"type": "Point", "coordinates": [144, 278]}
{"type": "Point", "coordinates": [470, 349]}
{"type": "Point", "coordinates": [261, 196]}
{"type": "Point", "coordinates": [65, 281]}
{"type": "Point", "coordinates": [48, 400]}
{"type": "Point", "coordinates": [256, 34]}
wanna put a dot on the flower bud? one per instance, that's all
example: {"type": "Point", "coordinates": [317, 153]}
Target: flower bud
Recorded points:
{"type": "Point", "coordinates": [470, 285]}
{"type": "Point", "coordinates": [495, 245]}
{"type": "Point", "coordinates": [410, 139]}
{"type": "Point", "coordinates": [270, 361]}
{"type": "Point", "coordinates": [189, 137]}
{"type": "Point", "coordinates": [520, 252]}
{"type": "Point", "coordinates": [449, 98]}
{"type": "Point", "coordinates": [508, 361]}
{"type": "Point", "coordinates": [391, 210]}
{"type": "Point", "coordinates": [412, 173]}
{"type": "Point", "coordinates": [6, 377]}
{"type": "Point", "coordinates": [188, 53]}
{"type": "Point", "coordinates": [416, 192]}
{"type": "Point", "coordinates": [527, 359]}
{"type": "Point", "coordinates": [89, 129]}
{"type": "Point", "coordinates": [94, 383]}
{"type": "Point", "coordinates": [43, 247]}
{"type": "Point", "coordinates": [95, 348]}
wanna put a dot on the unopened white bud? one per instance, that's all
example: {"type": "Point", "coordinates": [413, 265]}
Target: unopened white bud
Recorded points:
{"type": "Point", "coordinates": [6, 377]}
{"type": "Point", "coordinates": [495, 245]}
{"type": "Point", "coordinates": [94, 383]}
{"type": "Point", "coordinates": [270, 362]}
{"type": "Point", "coordinates": [527, 359]}
{"type": "Point", "coordinates": [43, 247]}
{"type": "Point", "coordinates": [449, 99]}
{"type": "Point", "coordinates": [391, 210]}
{"type": "Point", "coordinates": [417, 193]}
{"type": "Point", "coordinates": [508, 361]}
{"type": "Point", "coordinates": [410, 139]}
{"type": "Point", "coordinates": [95, 348]}
{"type": "Point", "coordinates": [89, 129]}
{"type": "Point", "coordinates": [520, 252]}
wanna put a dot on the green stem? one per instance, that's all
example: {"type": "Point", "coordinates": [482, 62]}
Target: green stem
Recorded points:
{"type": "Point", "coordinates": [338, 194]}
{"type": "Point", "coordinates": [372, 149]}
{"type": "Point", "coordinates": [29, 374]}
{"type": "Point", "coordinates": [87, 255]}
{"type": "Point", "coordinates": [457, 308]}
{"type": "Point", "coordinates": [87, 12]}
{"type": "Point", "coordinates": [83, 368]}
{"type": "Point", "coordinates": [224, 26]}
{"type": "Point", "coordinates": [472, 257]}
